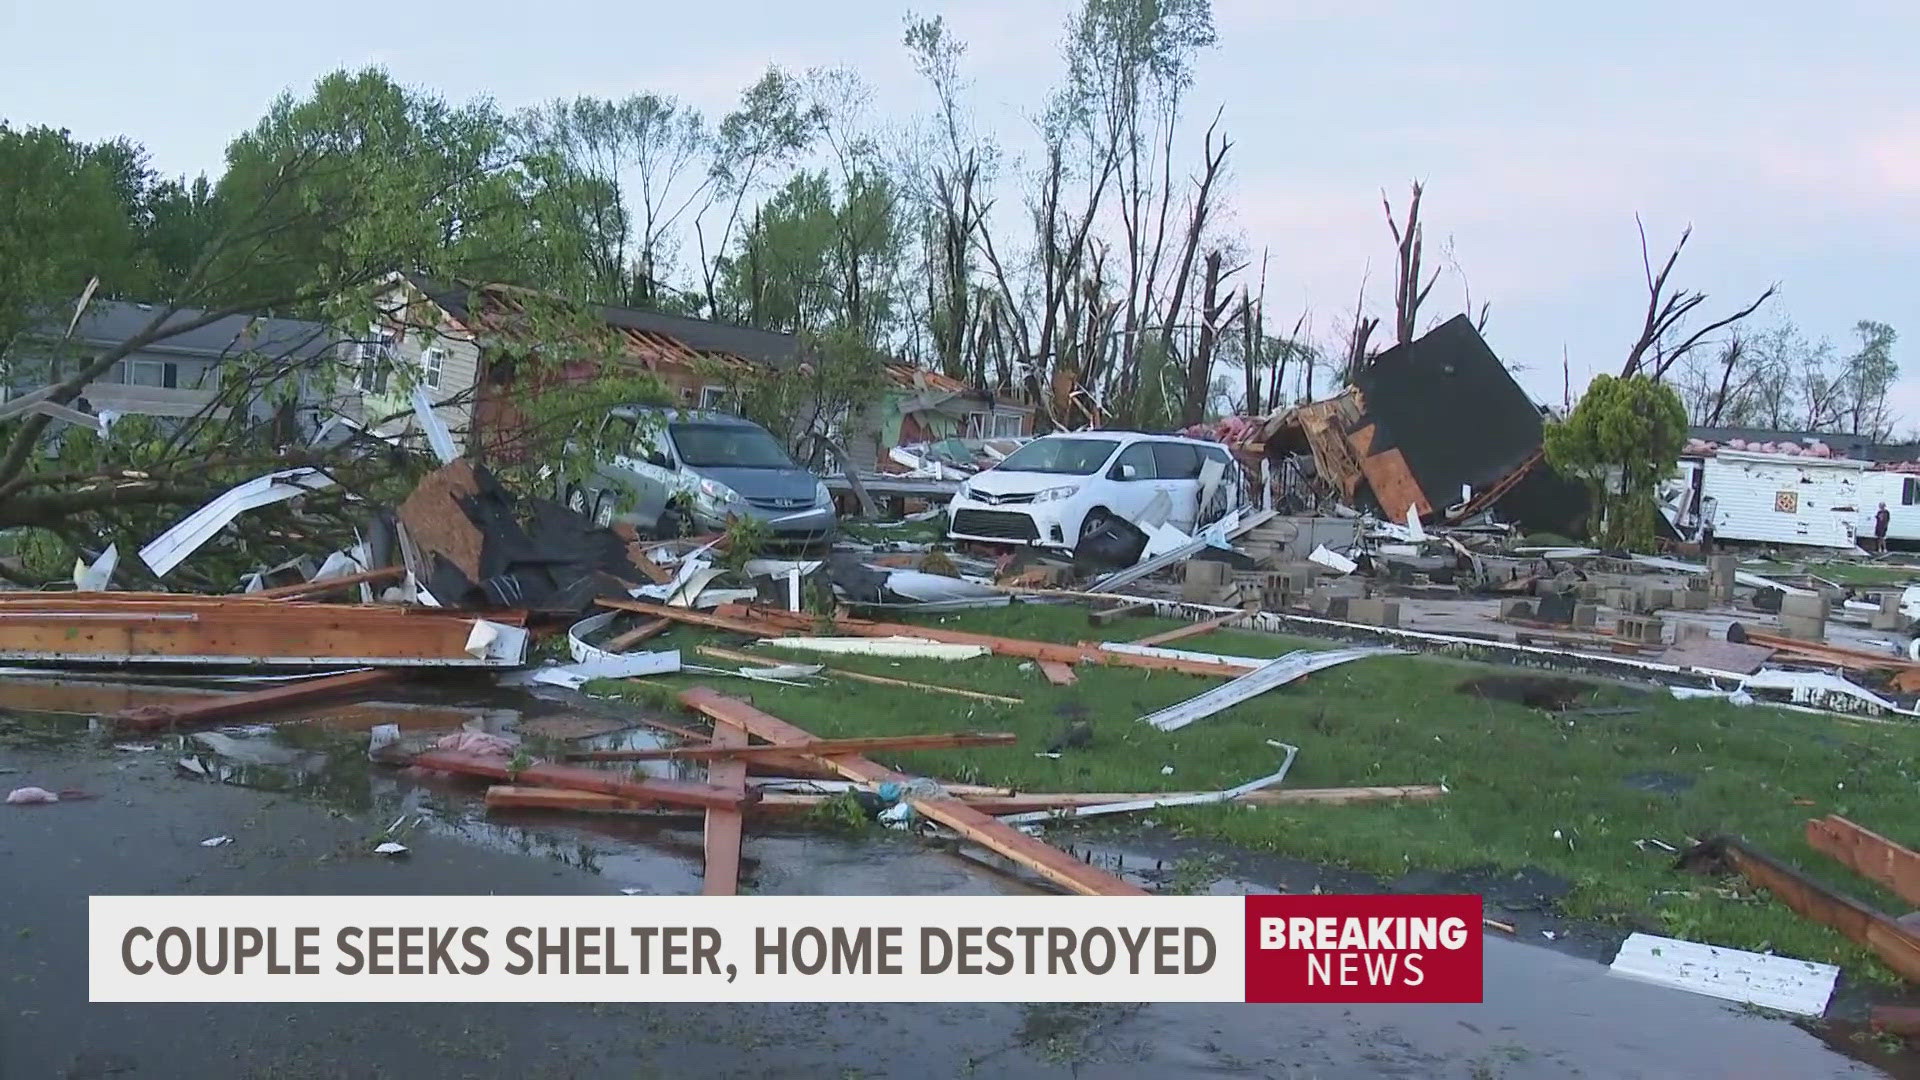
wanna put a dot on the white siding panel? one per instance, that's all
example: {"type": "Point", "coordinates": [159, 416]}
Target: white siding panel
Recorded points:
{"type": "Point", "coordinates": [1785, 500]}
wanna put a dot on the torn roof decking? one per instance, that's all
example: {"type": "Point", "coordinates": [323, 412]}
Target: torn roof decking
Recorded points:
{"type": "Point", "coordinates": [1451, 408]}
{"type": "Point", "coordinates": [1426, 418]}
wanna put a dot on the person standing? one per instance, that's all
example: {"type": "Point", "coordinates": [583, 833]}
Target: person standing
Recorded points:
{"type": "Point", "coordinates": [1881, 519]}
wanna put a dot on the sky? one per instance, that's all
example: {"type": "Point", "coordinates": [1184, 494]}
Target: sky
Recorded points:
{"type": "Point", "coordinates": [1787, 135]}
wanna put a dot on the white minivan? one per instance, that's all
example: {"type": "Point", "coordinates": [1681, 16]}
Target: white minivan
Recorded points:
{"type": "Point", "coordinates": [1059, 488]}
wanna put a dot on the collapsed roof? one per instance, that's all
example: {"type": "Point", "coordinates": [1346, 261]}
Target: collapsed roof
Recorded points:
{"type": "Point", "coordinates": [1425, 420]}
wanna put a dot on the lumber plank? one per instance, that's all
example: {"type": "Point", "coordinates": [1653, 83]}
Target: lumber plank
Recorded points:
{"type": "Point", "coordinates": [768, 623]}
{"type": "Point", "coordinates": [722, 837]}
{"type": "Point", "coordinates": [1896, 947]}
{"type": "Point", "coordinates": [1048, 861]}
{"type": "Point", "coordinates": [1868, 854]}
{"type": "Point", "coordinates": [639, 634]}
{"type": "Point", "coordinates": [861, 676]}
{"type": "Point", "coordinates": [520, 796]}
{"type": "Point", "coordinates": [331, 585]}
{"type": "Point", "coordinates": [817, 747]}
{"type": "Point", "coordinates": [651, 789]}
{"type": "Point", "coordinates": [160, 717]}
{"type": "Point", "coordinates": [1181, 633]}
{"type": "Point", "coordinates": [691, 617]}
{"type": "Point", "coordinates": [1057, 673]}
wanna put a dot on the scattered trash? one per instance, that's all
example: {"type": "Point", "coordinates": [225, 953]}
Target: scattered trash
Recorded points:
{"type": "Point", "coordinates": [391, 849]}
{"type": "Point", "coordinates": [29, 796]}
{"type": "Point", "coordinates": [216, 841]}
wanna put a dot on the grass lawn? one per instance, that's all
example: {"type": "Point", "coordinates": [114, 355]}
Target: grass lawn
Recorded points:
{"type": "Point", "coordinates": [1568, 794]}
{"type": "Point", "coordinates": [1869, 575]}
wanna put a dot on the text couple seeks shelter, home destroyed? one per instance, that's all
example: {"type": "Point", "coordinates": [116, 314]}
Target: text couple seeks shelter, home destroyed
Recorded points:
{"type": "Point", "coordinates": [1391, 518]}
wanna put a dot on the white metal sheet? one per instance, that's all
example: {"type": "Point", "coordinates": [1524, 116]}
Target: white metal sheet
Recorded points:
{"type": "Point", "coordinates": [1801, 987]}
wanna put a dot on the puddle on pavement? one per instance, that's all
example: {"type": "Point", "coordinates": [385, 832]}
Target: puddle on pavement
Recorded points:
{"type": "Point", "coordinates": [1546, 1013]}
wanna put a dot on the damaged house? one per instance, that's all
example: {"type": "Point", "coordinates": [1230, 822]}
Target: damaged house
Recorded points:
{"type": "Point", "coordinates": [1436, 428]}
{"type": "Point", "coordinates": [439, 332]}
{"type": "Point", "coordinates": [919, 406]}
{"type": "Point", "coordinates": [183, 374]}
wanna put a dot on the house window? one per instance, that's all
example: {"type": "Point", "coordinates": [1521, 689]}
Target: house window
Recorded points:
{"type": "Point", "coordinates": [1008, 425]}
{"type": "Point", "coordinates": [712, 397]}
{"type": "Point", "coordinates": [1909, 492]}
{"type": "Point", "coordinates": [688, 394]}
{"type": "Point", "coordinates": [431, 361]}
{"type": "Point", "coordinates": [375, 362]}
{"type": "Point", "coordinates": [978, 425]}
{"type": "Point", "coordinates": [154, 373]}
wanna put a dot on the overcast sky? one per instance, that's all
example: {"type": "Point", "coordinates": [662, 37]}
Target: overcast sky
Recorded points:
{"type": "Point", "coordinates": [1789, 138]}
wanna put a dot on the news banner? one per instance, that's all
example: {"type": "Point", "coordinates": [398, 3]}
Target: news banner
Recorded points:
{"type": "Point", "coordinates": [1322, 948]}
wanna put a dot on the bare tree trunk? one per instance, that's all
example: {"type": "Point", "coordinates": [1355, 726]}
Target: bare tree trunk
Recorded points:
{"type": "Point", "coordinates": [1408, 293]}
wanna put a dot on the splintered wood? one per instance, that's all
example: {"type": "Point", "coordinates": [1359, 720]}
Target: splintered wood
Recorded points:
{"type": "Point", "coordinates": [1048, 861]}
{"type": "Point", "coordinates": [722, 841]}
{"type": "Point", "coordinates": [650, 789]}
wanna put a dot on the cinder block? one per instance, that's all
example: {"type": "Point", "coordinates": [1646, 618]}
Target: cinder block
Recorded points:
{"type": "Point", "coordinates": [1375, 612]}
{"type": "Point", "coordinates": [1720, 578]}
{"type": "Point", "coordinates": [1516, 608]}
{"type": "Point", "coordinates": [1690, 599]}
{"type": "Point", "coordinates": [1333, 607]}
{"type": "Point", "coordinates": [1591, 590]}
{"type": "Point", "coordinates": [1654, 598]}
{"type": "Point", "coordinates": [1815, 606]}
{"type": "Point", "coordinates": [1203, 582]}
{"type": "Point", "coordinates": [1643, 629]}
{"type": "Point", "coordinates": [1803, 627]}
{"type": "Point", "coordinates": [1623, 599]}
{"type": "Point", "coordinates": [1585, 616]}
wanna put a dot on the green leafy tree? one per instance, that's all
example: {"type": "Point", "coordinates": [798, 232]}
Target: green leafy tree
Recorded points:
{"type": "Point", "coordinates": [63, 221]}
{"type": "Point", "coordinates": [1622, 439]}
{"type": "Point", "coordinates": [320, 204]}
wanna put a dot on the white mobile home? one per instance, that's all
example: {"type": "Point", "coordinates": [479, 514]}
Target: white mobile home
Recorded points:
{"type": "Point", "coordinates": [1901, 493]}
{"type": "Point", "coordinates": [1774, 498]}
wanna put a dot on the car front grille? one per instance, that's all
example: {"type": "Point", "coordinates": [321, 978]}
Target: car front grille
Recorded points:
{"type": "Point", "coordinates": [994, 523]}
{"type": "Point", "coordinates": [1004, 500]}
{"type": "Point", "coordinates": [781, 504]}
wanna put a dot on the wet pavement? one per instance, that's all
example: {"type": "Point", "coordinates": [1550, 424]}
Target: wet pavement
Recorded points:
{"type": "Point", "coordinates": [1547, 1013]}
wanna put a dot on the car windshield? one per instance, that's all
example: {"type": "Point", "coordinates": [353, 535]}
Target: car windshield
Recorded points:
{"type": "Point", "coordinates": [732, 446]}
{"type": "Point", "coordinates": [1068, 457]}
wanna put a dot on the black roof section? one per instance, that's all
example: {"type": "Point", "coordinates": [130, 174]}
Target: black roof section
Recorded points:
{"type": "Point", "coordinates": [110, 322]}
{"type": "Point", "coordinates": [701, 335]}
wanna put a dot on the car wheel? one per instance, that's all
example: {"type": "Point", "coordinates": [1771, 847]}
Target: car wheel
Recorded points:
{"type": "Point", "coordinates": [577, 499]}
{"type": "Point", "coordinates": [675, 522]}
{"type": "Point", "coordinates": [603, 510]}
{"type": "Point", "coordinates": [1095, 520]}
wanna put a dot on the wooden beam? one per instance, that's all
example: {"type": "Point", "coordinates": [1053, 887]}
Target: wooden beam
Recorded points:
{"type": "Point", "coordinates": [769, 623]}
{"type": "Point", "coordinates": [989, 801]}
{"type": "Point", "coordinates": [1896, 947]}
{"type": "Point", "coordinates": [818, 747]}
{"type": "Point", "coordinates": [1868, 854]}
{"type": "Point", "coordinates": [861, 676]}
{"type": "Point", "coordinates": [1057, 673]}
{"type": "Point", "coordinates": [722, 877]}
{"type": "Point", "coordinates": [691, 617]}
{"type": "Point", "coordinates": [202, 710]}
{"type": "Point", "coordinates": [330, 585]}
{"type": "Point", "coordinates": [1191, 629]}
{"type": "Point", "coordinates": [1895, 1019]}
{"type": "Point", "coordinates": [639, 634]}
{"type": "Point", "coordinates": [639, 789]}
{"type": "Point", "coordinates": [1048, 861]}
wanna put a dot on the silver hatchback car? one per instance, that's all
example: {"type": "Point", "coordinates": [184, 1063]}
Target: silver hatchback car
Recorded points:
{"type": "Point", "coordinates": [679, 472]}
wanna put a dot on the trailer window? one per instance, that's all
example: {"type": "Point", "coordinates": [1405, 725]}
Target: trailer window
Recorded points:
{"type": "Point", "coordinates": [1909, 491]}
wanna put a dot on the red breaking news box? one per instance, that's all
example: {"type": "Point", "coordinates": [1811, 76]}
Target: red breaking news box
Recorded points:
{"type": "Point", "coordinates": [1364, 949]}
